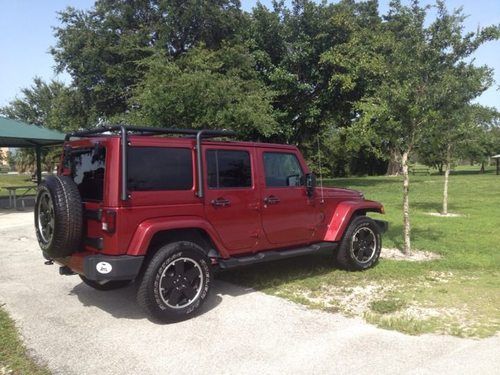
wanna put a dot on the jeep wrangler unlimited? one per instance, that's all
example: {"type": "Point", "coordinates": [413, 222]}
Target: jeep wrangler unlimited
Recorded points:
{"type": "Point", "coordinates": [141, 204]}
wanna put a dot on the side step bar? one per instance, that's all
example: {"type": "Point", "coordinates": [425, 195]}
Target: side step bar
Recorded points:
{"type": "Point", "coordinates": [266, 256]}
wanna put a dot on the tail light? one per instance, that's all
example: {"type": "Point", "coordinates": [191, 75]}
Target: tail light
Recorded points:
{"type": "Point", "coordinates": [108, 221]}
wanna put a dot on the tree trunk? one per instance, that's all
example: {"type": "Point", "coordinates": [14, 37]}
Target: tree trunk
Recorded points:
{"type": "Point", "coordinates": [440, 168]}
{"type": "Point", "coordinates": [482, 167]}
{"type": "Point", "coordinates": [446, 179]}
{"type": "Point", "coordinates": [406, 205]}
{"type": "Point", "coordinates": [445, 190]}
{"type": "Point", "coordinates": [394, 166]}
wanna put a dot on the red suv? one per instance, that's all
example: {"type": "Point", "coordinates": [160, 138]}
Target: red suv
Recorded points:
{"type": "Point", "coordinates": [164, 207]}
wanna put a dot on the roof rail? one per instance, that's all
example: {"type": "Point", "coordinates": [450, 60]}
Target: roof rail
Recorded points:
{"type": "Point", "coordinates": [125, 130]}
{"type": "Point", "coordinates": [149, 131]}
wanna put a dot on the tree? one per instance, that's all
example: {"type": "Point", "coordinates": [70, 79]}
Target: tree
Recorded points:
{"type": "Point", "coordinates": [419, 63]}
{"type": "Point", "coordinates": [11, 160]}
{"type": "Point", "coordinates": [483, 141]}
{"type": "Point", "coordinates": [52, 105]}
{"type": "Point", "coordinates": [318, 58]}
{"type": "Point", "coordinates": [460, 81]}
{"type": "Point", "coordinates": [399, 109]}
{"type": "Point", "coordinates": [205, 89]}
{"type": "Point", "coordinates": [104, 48]}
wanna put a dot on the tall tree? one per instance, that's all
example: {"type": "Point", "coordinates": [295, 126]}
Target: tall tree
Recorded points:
{"type": "Point", "coordinates": [104, 48]}
{"type": "Point", "coordinates": [404, 107]}
{"type": "Point", "coordinates": [459, 82]}
{"type": "Point", "coordinates": [205, 89]}
{"type": "Point", "coordinates": [318, 59]}
{"type": "Point", "coordinates": [399, 109]}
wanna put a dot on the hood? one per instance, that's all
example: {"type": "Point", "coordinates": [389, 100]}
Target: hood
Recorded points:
{"type": "Point", "coordinates": [334, 192]}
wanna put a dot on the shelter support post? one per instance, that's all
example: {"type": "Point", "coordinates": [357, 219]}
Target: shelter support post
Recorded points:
{"type": "Point", "coordinates": [38, 150]}
{"type": "Point", "coordinates": [498, 167]}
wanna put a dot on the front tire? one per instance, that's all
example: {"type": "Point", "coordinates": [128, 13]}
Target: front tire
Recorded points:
{"type": "Point", "coordinates": [176, 282]}
{"type": "Point", "coordinates": [361, 245]}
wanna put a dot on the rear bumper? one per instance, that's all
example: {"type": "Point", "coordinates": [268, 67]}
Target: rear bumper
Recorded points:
{"type": "Point", "coordinates": [106, 267]}
{"type": "Point", "coordinates": [382, 225]}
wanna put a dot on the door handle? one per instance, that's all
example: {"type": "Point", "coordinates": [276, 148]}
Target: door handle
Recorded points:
{"type": "Point", "coordinates": [271, 200]}
{"type": "Point", "coordinates": [220, 202]}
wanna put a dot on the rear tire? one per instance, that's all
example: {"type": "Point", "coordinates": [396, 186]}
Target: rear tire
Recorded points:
{"type": "Point", "coordinates": [361, 245]}
{"type": "Point", "coordinates": [58, 217]}
{"type": "Point", "coordinates": [105, 285]}
{"type": "Point", "coordinates": [176, 282]}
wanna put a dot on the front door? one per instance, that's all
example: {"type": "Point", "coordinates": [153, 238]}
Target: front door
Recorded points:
{"type": "Point", "coordinates": [232, 198]}
{"type": "Point", "coordinates": [288, 214]}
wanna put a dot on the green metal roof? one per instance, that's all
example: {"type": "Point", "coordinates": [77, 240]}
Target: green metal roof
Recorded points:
{"type": "Point", "coordinates": [15, 133]}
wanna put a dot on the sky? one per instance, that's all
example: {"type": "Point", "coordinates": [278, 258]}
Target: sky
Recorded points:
{"type": "Point", "coordinates": [26, 35]}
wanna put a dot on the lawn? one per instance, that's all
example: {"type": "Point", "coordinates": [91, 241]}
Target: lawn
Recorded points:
{"type": "Point", "coordinates": [458, 294]}
{"type": "Point", "coordinates": [14, 180]}
{"type": "Point", "coordinates": [13, 356]}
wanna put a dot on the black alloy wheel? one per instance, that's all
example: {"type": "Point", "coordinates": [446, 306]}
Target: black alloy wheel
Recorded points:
{"type": "Point", "coordinates": [180, 283]}
{"type": "Point", "coordinates": [175, 282]}
{"type": "Point", "coordinates": [360, 246]}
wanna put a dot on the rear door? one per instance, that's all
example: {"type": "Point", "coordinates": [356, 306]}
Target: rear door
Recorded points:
{"type": "Point", "coordinates": [288, 214]}
{"type": "Point", "coordinates": [232, 198]}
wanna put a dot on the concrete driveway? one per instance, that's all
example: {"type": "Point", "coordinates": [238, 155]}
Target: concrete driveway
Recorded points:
{"type": "Point", "coordinates": [76, 330]}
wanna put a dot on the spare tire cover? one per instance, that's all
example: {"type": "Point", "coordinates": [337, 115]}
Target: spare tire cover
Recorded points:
{"type": "Point", "coordinates": [58, 216]}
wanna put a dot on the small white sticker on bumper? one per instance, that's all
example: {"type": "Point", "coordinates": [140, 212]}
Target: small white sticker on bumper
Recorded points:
{"type": "Point", "coordinates": [103, 267]}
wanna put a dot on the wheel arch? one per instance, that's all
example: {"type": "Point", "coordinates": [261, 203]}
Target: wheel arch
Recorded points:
{"type": "Point", "coordinates": [345, 212]}
{"type": "Point", "coordinates": [151, 234]}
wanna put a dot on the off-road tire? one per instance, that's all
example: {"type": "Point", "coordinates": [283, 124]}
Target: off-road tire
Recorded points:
{"type": "Point", "coordinates": [66, 203]}
{"type": "Point", "coordinates": [156, 275]}
{"type": "Point", "coordinates": [346, 255]}
{"type": "Point", "coordinates": [106, 285]}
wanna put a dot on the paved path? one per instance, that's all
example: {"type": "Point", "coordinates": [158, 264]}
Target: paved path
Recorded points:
{"type": "Point", "coordinates": [76, 330]}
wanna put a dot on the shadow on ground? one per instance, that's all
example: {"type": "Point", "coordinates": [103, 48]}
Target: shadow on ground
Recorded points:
{"type": "Point", "coordinates": [121, 303]}
{"type": "Point", "coordinates": [395, 230]}
{"type": "Point", "coordinates": [279, 272]}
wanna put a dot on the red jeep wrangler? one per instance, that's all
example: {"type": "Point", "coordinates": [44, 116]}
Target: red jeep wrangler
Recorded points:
{"type": "Point", "coordinates": [133, 203]}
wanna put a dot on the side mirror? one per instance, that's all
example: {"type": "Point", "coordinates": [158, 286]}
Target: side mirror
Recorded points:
{"type": "Point", "coordinates": [310, 183]}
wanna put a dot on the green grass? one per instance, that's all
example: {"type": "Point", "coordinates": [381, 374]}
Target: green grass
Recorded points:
{"type": "Point", "coordinates": [458, 294]}
{"type": "Point", "coordinates": [13, 356]}
{"type": "Point", "coordinates": [14, 180]}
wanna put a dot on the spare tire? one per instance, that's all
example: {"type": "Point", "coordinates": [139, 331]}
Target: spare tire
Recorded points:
{"type": "Point", "coordinates": [58, 216]}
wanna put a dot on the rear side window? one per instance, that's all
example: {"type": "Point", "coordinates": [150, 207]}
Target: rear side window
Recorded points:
{"type": "Point", "coordinates": [88, 168]}
{"type": "Point", "coordinates": [282, 169]}
{"type": "Point", "coordinates": [228, 169]}
{"type": "Point", "coordinates": [159, 168]}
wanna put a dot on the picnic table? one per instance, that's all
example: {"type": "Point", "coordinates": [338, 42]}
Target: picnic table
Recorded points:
{"type": "Point", "coordinates": [414, 169]}
{"type": "Point", "coordinates": [13, 193]}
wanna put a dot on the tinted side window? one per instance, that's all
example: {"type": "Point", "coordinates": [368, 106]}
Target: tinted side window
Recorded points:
{"type": "Point", "coordinates": [282, 169]}
{"type": "Point", "coordinates": [228, 169]}
{"type": "Point", "coordinates": [88, 169]}
{"type": "Point", "coordinates": [159, 168]}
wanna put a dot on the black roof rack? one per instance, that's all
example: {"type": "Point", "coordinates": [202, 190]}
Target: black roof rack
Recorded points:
{"type": "Point", "coordinates": [207, 133]}
{"type": "Point", "coordinates": [125, 130]}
